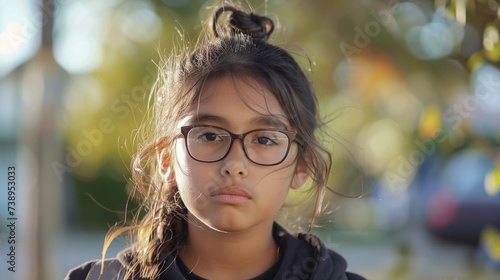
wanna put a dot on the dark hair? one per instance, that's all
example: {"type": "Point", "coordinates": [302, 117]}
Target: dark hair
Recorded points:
{"type": "Point", "coordinates": [238, 48]}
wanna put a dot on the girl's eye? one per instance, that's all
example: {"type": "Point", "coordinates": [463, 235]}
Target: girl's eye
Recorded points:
{"type": "Point", "coordinates": [210, 137]}
{"type": "Point", "coordinates": [265, 141]}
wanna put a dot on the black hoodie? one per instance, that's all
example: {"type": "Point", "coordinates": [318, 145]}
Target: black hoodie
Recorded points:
{"type": "Point", "coordinates": [302, 256]}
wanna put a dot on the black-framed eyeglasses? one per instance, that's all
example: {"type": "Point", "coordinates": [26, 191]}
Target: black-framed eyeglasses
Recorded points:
{"type": "Point", "coordinates": [208, 143]}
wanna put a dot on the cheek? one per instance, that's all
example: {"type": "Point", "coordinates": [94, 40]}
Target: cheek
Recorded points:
{"type": "Point", "coordinates": [185, 166]}
{"type": "Point", "coordinates": [184, 170]}
{"type": "Point", "coordinates": [278, 182]}
{"type": "Point", "coordinates": [274, 191]}
{"type": "Point", "coordinates": [194, 179]}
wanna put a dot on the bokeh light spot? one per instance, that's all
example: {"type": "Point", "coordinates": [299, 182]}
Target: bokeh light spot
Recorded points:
{"type": "Point", "coordinates": [442, 208]}
{"type": "Point", "coordinates": [492, 181]}
{"type": "Point", "coordinates": [430, 122]}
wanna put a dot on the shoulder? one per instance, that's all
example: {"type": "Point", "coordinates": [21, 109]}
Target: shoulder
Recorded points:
{"type": "Point", "coordinates": [118, 266]}
{"type": "Point", "coordinates": [352, 276]}
{"type": "Point", "coordinates": [80, 272]}
{"type": "Point", "coordinates": [97, 269]}
{"type": "Point", "coordinates": [306, 254]}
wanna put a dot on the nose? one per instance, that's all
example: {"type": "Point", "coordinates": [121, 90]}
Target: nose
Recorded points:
{"type": "Point", "coordinates": [235, 162]}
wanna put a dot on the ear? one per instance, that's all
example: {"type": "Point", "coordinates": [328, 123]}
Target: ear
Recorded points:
{"type": "Point", "coordinates": [169, 176]}
{"type": "Point", "coordinates": [166, 170]}
{"type": "Point", "coordinates": [302, 173]}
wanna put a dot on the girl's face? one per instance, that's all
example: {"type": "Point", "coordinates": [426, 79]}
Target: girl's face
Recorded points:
{"type": "Point", "coordinates": [235, 194]}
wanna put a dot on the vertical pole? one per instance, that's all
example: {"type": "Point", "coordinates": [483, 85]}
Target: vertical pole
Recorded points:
{"type": "Point", "coordinates": [40, 138]}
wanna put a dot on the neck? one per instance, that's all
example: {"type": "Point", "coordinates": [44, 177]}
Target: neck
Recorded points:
{"type": "Point", "coordinates": [229, 255]}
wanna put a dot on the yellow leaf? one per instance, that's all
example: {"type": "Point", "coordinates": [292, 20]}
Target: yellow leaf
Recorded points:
{"type": "Point", "coordinates": [475, 61]}
{"type": "Point", "coordinates": [490, 237]}
{"type": "Point", "coordinates": [431, 122]}
{"type": "Point", "coordinates": [492, 181]}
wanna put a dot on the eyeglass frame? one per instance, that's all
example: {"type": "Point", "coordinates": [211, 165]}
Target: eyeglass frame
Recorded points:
{"type": "Point", "coordinates": [291, 135]}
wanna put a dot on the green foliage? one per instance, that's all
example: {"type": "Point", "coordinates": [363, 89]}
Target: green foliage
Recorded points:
{"type": "Point", "coordinates": [100, 200]}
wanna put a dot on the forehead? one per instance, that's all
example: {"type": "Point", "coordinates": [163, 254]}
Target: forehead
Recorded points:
{"type": "Point", "coordinates": [234, 97]}
{"type": "Point", "coordinates": [254, 94]}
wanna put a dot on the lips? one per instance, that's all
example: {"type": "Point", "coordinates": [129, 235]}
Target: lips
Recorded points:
{"type": "Point", "coordinates": [230, 194]}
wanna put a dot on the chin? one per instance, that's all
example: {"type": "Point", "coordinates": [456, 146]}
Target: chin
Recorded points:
{"type": "Point", "coordinates": [226, 226]}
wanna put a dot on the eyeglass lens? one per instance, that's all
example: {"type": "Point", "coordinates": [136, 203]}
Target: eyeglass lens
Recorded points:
{"type": "Point", "coordinates": [262, 146]}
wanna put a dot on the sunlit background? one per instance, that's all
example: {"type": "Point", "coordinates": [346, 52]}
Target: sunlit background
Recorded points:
{"type": "Point", "coordinates": [409, 92]}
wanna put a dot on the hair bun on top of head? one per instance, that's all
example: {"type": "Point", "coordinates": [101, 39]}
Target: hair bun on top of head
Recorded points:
{"type": "Point", "coordinates": [256, 26]}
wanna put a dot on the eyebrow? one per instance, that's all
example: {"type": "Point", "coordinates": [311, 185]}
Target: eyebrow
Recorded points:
{"type": "Point", "coordinates": [265, 120]}
{"type": "Point", "coordinates": [203, 118]}
{"type": "Point", "coordinates": [268, 120]}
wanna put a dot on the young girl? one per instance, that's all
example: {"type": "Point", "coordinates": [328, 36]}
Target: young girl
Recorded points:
{"type": "Point", "coordinates": [232, 131]}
